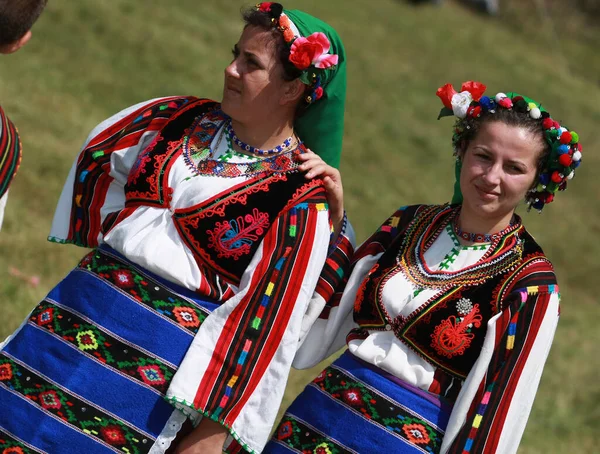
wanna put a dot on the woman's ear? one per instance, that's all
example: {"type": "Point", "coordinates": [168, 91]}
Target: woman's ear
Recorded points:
{"type": "Point", "coordinates": [293, 91]}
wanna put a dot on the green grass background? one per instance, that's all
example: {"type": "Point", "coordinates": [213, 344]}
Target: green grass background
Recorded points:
{"type": "Point", "coordinates": [89, 59]}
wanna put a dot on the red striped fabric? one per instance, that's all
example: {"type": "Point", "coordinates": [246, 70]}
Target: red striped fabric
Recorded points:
{"type": "Point", "coordinates": [278, 277]}
{"type": "Point", "coordinates": [10, 152]}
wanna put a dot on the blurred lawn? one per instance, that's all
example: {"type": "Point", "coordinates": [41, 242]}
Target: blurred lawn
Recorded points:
{"type": "Point", "coordinates": [89, 59]}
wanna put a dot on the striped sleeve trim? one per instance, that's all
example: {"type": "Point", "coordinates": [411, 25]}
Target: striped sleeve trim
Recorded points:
{"type": "Point", "coordinates": [485, 423]}
{"type": "Point", "coordinates": [10, 152]}
{"type": "Point", "coordinates": [336, 268]}
{"type": "Point", "coordinates": [254, 330]}
{"type": "Point", "coordinates": [93, 171]}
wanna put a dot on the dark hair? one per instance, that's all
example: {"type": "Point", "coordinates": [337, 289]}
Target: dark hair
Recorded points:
{"type": "Point", "coordinates": [257, 18]}
{"type": "Point", "coordinates": [470, 128]}
{"type": "Point", "coordinates": [262, 19]}
{"type": "Point", "coordinates": [17, 17]}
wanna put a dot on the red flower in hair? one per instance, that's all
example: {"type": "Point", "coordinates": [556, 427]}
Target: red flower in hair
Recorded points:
{"type": "Point", "coordinates": [265, 7]}
{"type": "Point", "coordinates": [312, 50]}
{"type": "Point", "coordinates": [445, 93]}
{"type": "Point", "coordinates": [475, 88]}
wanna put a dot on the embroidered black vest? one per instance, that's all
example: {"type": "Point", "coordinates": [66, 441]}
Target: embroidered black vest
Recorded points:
{"type": "Point", "coordinates": [224, 231]}
{"type": "Point", "coordinates": [448, 330]}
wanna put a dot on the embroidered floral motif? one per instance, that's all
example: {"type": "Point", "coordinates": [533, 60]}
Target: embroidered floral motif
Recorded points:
{"type": "Point", "coordinates": [113, 435]}
{"type": "Point", "coordinates": [305, 439]}
{"type": "Point", "coordinates": [323, 448]}
{"type": "Point", "coordinates": [186, 317]}
{"type": "Point", "coordinates": [369, 404]}
{"type": "Point", "coordinates": [285, 430]}
{"type": "Point", "coordinates": [50, 399]}
{"type": "Point", "coordinates": [453, 336]}
{"type": "Point", "coordinates": [46, 317]}
{"type": "Point", "coordinates": [71, 410]}
{"type": "Point", "coordinates": [5, 372]}
{"type": "Point", "coordinates": [234, 238]}
{"type": "Point", "coordinates": [105, 348]}
{"type": "Point", "coordinates": [155, 187]}
{"type": "Point", "coordinates": [152, 375]}
{"type": "Point", "coordinates": [360, 297]}
{"type": "Point", "coordinates": [416, 433]}
{"type": "Point", "coordinates": [144, 290]}
{"type": "Point", "coordinates": [86, 340]}
{"type": "Point", "coordinates": [139, 167]}
{"type": "Point", "coordinates": [12, 445]}
{"type": "Point", "coordinates": [13, 450]}
{"type": "Point", "coordinates": [123, 278]}
{"type": "Point", "coordinates": [353, 396]}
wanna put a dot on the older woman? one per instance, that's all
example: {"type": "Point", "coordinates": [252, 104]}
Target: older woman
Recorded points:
{"type": "Point", "coordinates": [450, 310]}
{"type": "Point", "coordinates": [208, 246]}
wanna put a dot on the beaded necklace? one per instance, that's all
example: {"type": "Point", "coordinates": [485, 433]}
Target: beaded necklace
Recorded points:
{"type": "Point", "coordinates": [250, 149]}
{"type": "Point", "coordinates": [502, 254]}
{"type": "Point", "coordinates": [478, 237]}
{"type": "Point", "coordinates": [198, 154]}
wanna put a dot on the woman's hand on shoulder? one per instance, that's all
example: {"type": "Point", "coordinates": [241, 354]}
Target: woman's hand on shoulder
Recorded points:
{"type": "Point", "coordinates": [315, 167]}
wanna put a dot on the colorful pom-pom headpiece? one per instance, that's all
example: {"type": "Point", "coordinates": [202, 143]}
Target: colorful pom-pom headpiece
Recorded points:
{"type": "Point", "coordinates": [310, 54]}
{"type": "Point", "coordinates": [565, 149]}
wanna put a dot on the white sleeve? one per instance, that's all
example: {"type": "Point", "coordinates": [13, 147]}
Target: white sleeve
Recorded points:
{"type": "Point", "coordinates": [103, 191]}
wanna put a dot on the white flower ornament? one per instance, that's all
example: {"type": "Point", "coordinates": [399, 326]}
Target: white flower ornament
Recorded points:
{"type": "Point", "coordinates": [460, 103]}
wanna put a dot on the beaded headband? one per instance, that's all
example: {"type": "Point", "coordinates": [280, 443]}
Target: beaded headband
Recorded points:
{"type": "Point", "coordinates": [309, 54]}
{"type": "Point", "coordinates": [565, 149]}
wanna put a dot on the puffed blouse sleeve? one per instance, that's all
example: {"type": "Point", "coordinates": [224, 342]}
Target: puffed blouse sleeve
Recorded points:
{"type": "Point", "coordinates": [328, 333]}
{"type": "Point", "coordinates": [493, 406]}
{"type": "Point", "coordinates": [96, 181]}
{"type": "Point", "coordinates": [236, 369]}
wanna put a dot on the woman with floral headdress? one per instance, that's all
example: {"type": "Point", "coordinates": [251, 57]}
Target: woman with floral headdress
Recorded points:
{"type": "Point", "coordinates": [450, 310]}
{"type": "Point", "coordinates": [208, 245]}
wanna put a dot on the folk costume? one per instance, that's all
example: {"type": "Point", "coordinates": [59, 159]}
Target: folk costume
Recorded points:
{"type": "Point", "coordinates": [446, 342]}
{"type": "Point", "coordinates": [10, 158]}
{"type": "Point", "coordinates": [198, 292]}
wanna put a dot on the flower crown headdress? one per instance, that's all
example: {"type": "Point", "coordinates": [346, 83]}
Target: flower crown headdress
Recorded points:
{"type": "Point", "coordinates": [309, 54]}
{"type": "Point", "coordinates": [565, 149]}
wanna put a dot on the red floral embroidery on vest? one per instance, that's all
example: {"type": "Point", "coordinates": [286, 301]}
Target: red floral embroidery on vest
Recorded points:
{"type": "Point", "coordinates": [453, 336]}
{"type": "Point", "coordinates": [139, 167]}
{"type": "Point", "coordinates": [360, 295]}
{"type": "Point", "coordinates": [234, 238]}
{"type": "Point", "coordinates": [158, 173]}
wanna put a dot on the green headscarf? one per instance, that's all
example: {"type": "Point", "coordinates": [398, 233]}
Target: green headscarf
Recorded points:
{"type": "Point", "coordinates": [321, 127]}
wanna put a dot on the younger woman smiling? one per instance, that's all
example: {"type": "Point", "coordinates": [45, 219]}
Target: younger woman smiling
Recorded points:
{"type": "Point", "coordinates": [450, 310]}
